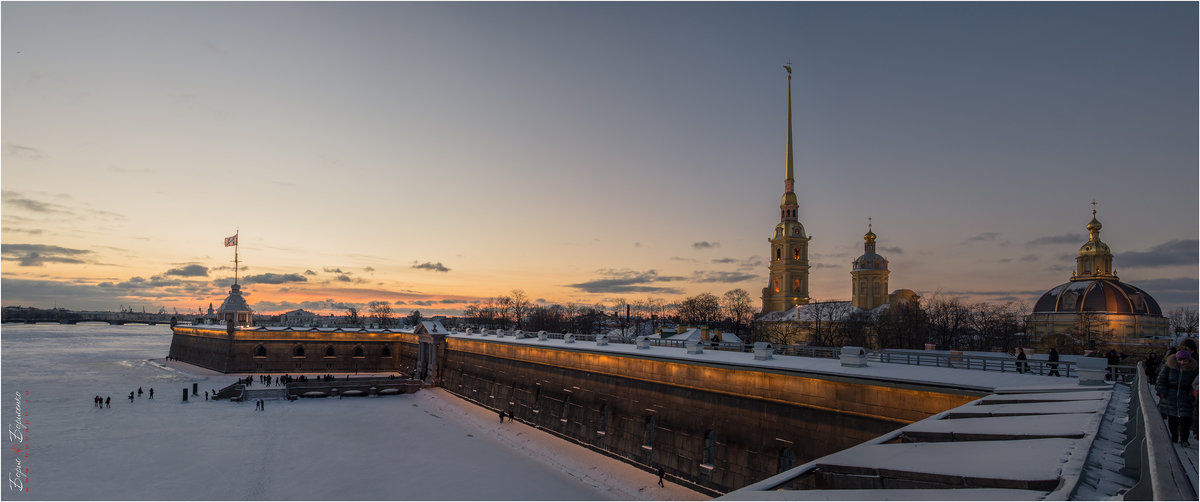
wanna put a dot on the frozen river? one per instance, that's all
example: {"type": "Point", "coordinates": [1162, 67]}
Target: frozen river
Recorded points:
{"type": "Point", "coordinates": [424, 446]}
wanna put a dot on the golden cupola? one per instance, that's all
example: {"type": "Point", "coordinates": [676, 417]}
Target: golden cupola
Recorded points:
{"type": "Point", "coordinates": [1095, 258]}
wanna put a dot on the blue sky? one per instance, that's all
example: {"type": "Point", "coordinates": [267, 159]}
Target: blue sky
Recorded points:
{"type": "Point", "coordinates": [583, 151]}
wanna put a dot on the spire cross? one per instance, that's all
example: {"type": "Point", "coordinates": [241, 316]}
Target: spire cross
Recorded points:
{"type": "Point", "coordinates": [868, 223]}
{"type": "Point", "coordinates": [1093, 208]}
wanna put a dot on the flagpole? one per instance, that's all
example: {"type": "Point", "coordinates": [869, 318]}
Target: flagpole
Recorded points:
{"type": "Point", "coordinates": [235, 255]}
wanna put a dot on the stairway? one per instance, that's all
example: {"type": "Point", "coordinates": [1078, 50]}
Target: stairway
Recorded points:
{"type": "Point", "coordinates": [265, 394]}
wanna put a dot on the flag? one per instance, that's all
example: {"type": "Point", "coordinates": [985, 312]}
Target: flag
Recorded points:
{"type": "Point", "coordinates": [231, 241]}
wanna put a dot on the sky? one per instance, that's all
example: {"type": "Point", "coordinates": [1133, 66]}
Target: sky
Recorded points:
{"type": "Point", "coordinates": [436, 154]}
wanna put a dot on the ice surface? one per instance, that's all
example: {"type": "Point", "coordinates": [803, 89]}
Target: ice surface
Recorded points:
{"type": "Point", "coordinates": [424, 446]}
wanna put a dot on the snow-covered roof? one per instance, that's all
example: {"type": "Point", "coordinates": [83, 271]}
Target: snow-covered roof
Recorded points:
{"type": "Point", "coordinates": [433, 328]}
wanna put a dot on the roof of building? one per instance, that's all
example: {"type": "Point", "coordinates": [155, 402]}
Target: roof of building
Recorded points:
{"type": "Point", "coordinates": [1098, 296]}
{"type": "Point", "coordinates": [234, 302]}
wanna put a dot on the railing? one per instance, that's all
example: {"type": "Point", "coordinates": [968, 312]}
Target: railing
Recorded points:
{"type": "Point", "coordinates": [1149, 454]}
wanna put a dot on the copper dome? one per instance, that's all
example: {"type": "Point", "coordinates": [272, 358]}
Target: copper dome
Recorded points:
{"type": "Point", "coordinates": [1097, 295]}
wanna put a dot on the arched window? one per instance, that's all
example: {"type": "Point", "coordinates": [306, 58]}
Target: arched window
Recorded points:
{"type": "Point", "coordinates": [358, 351]}
{"type": "Point", "coordinates": [603, 426]}
{"type": "Point", "coordinates": [298, 351]}
{"type": "Point", "coordinates": [649, 437]}
{"type": "Point", "coordinates": [710, 448]}
{"type": "Point", "coordinates": [776, 284]}
{"type": "Point", "coordinates": [876, 287]}
{"type": "Point", "coordinates": [260, 351]}
{"type": "Point", "coordinates": [795, 253]}
{"type": "Point", "coordinates": [796, 285]}
{"type": "Point", "coordinates": [778, 254]}
{"type": "Point", "coordinates": [329, 352]}
{"type": "Point", "coordinates": [385, 352]}
{"type": "Point", "coordinates": [787, 459]}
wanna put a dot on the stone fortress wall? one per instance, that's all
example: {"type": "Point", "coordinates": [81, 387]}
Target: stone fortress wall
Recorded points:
{"type": "Point", "coordinates": [715, 426]}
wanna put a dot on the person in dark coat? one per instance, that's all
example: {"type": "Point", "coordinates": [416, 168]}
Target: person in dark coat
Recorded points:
{"type": "Point", "coordinates": [108, 402]}
{"type": "Point", "coordinates": [661, 473]}
{"type": "Point", "coordinates": [1053, 359]}
{"type": "Point", "coordinates": [1021, 358]}
{"type": "Point", "coordinates": [1174, 388]}
{"type": "Point", "coordinates": [139, 392]}
{"type": "Point", "coordinates": [151, 392]}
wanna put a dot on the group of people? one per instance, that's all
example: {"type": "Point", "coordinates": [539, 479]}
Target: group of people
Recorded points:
{"type": "Point", "coordinates": [260, 405]}
{"type": "Point", "coordinates": [1176, 385]}
{"type": "Point", "coordinates": [106, 402]}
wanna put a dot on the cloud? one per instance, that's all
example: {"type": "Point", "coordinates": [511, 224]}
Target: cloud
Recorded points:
{"type": "Point", "coordinates": [344, 278]}
{"type": "Point", "coordinates": [1176, 252]}
{"type": "Point", "coordinates": [36, 255]}
{"type": "Point", "coordinates": [726, 260]}
{"type": "Point", "coordinates": [309, 272]}
{"type": "Point", "coordinates": [192, 270]}
{"type": "Point", "coordinates": [680, 258]}
{"type": "Point", "coordinates": [436, 267]}
{"type": "Point", "coordinates": [986, 236]}
{"type": "Point", "coordinates": [1029, 257]}
{"type": "Point", "coordinates": [368, 269]}
{"type": "Point", "coordinates": [705, 245]}
{"type": "Point", "coordinates": [637, 244]}
{"type": "Point", "coordinates": [270, 278]}
{"type": "Point", "coordinates": [332, 270]}
{"type": "Point", "coordinates": [725, 277]}
{"type": "Point", "coordinates": [21, 231]}
{"type": "Point", "coordinates": [1057, 239]}
{"type": "Point", "coordinates": [891, 249]}
{"type": "Point", "coordinates": [21, 151]}
{"type": "Point", "coordinates": [15, 199]}
{"type": "Point", "coordinates": [627, 281]}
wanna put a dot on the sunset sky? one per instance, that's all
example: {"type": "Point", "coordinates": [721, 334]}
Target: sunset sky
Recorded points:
{"type": "Point", "coordinates": [433, 154]}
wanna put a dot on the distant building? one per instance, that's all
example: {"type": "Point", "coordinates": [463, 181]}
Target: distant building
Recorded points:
{"type": "Point", "coordinates": [787, 285]}
{"type": "Point", "coordinates": [1095, 304]}
{"type": "Point", "coordinates": [235, 308]}
{"type": "Point", "coordinates": [298, 317]}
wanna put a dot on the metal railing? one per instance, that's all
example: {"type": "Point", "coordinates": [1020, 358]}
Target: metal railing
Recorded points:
{"type": "Point", "coordinates": [1150, 456]}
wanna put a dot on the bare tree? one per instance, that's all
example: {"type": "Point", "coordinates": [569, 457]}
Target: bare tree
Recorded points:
{"type": "Point", "coordinates": [1184, 320]}
{"type": "Point", "coordinates": [901, 326]}
{"type": "Point", "coordinates": [414, 318]}
{"type": "Point", "coordinates": [948, 321]}
{"type": "Point", "coordinates": [519, 305]}
{"type": "Point", "coordinates": [352, 315]}
{"type": "Point", "coordinates": [704, 308]}
{"type": "Point", "coordinates": [381, 311]}
{"type": "Point", "coordinates": [739, 308]}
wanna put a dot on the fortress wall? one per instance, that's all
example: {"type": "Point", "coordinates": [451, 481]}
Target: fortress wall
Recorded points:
{"type": "Point", "coordinates": [216, 349]}
{"type": "Point", "coordinates": [760, 421]}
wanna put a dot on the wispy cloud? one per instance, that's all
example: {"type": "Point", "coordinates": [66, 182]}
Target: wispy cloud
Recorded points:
{"type": "Point", "coordinates": [192, 270]}
{"type": "Point", "coordinates": [21, 151]}
{"type": "Point", "coordinates": [1176, 252]}
{"type": "Point", "coordinates": [627, 281]}
{"type": "Point", "coordinates": [891, 249]}
{"type": "Point", "coordinates": [718, 276]}
{"type": "Point", "coordinates": [985, 236]}
{"type": "Point", "coordinates": [1057, 239]}
{"type": "Point", "coordinates": [18, 200]}
{"type": "Point", "coordinates": [436, 267]}
{"type": "Point", "coordinates": [705, 245]}
{"type": "Point", "coordinates": [36, 255]}
{"type": "Point", "coordinates": [272, 278]}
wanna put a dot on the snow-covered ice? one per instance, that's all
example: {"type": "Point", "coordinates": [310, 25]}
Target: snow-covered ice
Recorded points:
{"type": "Point", "coordinates": [424, 446]}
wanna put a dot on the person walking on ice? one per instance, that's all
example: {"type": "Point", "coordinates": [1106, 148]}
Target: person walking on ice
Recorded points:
{"type": "Point", "coordinates": [661, 473]}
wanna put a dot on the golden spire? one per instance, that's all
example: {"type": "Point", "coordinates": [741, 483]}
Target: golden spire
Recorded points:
{"type": "Point", "coordinates": [788, 177]}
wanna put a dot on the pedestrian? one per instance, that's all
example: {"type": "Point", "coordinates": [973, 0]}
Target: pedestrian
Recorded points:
{"type": "Point", "coordinates": [96, 401]}
{"type": "Point", "coordinates": [131, 396]}
{"type": "Point", "coordinates": [510, 415]}
{"type": "Point", "coordinates": [151, 392]}
{"type": "Point", "coordinates": [139, 392]}
{"type": "Point", "coordinates": [1175, 393]}
{"type": "Point", "coordinates": [206, 395]}
{"type": "Point", "coordinates": [262, 403]}
{"type": "Point", "coordinates": [108, 402]}
{"type": "Point", "coordinates": [661, 473]}
{"type": "Point", "coordinates": [1021, 364]}
{"type": "Point", "coordinates": [1151, 365]}
{"type": "Point", "coordinates": [501, 416]}
{"type": "Point", "coordinates": [1053, 358]}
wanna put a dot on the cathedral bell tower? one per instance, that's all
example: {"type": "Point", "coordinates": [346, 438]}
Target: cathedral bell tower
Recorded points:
{"type": "Point", "coordinates": [787, 285]}
{"type": "Point", "coordinates": [869, 276]}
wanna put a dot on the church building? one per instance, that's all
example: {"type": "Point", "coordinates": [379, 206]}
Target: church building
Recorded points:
{"type": "Point", "coordinates": [787, 286]}
{"type": "Point", "coordinates": [1095, 304]}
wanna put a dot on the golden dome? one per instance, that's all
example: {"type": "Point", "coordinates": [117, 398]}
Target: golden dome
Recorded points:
{"type": "Point", "coordinates": [789, 199]}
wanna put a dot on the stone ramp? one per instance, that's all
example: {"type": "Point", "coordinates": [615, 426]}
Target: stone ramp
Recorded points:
{"type": "Point", "coordinates": [265, 394]}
